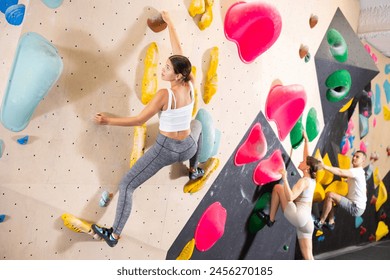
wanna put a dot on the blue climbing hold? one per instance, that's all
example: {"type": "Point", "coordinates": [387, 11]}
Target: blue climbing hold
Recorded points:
{"type": "Point", "coordinates": [4, 4]}
{"type": "Point", "coordinates": [36, 67]}
{"type": "Point", "coordinates": [377, 104]}
{"type": "Point", "coordinates": [105, 199]}
{"type": "Point", "coordinates": [387, 69]}
{"type": "Point", "coordinates": [15, 14]}
{"type": "Point", "coordinates": [363, 126]}
{"type": "Point", "coordinates": [23, 140]}
{"type": "Point", "coordinates": [208, 135]}
{"type": "Point", "coordinates": [386, 87]}
{"type": "Point", "coordinates": [2, 218]}
{"type": "Point", "coordinates": [53, 4]}
{"type": "Point", "coordinates": [358, 221]}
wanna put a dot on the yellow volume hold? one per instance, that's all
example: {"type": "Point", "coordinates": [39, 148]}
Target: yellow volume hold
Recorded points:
{"type": "Point", "coordinates": [197, 7]}
{"type": "Point", "coordinates": [149, 80]}
{"type": "Point", "coordinates": [207, 17]}
{"type": "Point", "coordinates": [139, 144]}
{"type": "Point", "coordinates": [196, 185]}
{"type": "Point", "coordinates": [78, 225]}
{"type": "Point", "coordinates": [210, 87]}
{"type": "Point", "coordinates": [187, 251]}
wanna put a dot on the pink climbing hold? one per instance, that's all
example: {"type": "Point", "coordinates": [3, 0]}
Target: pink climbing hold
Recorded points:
{"type": "Point", "coordinates": [211, 227]}
{"type": "Point", "coordinates": [254, 148]}
{"type": "Point", "coordinates": [350, 128]}
{"type": "Point", "coordinates": [268, 170]}
{"type": "Point", "coordinates": [368, 49]}
{"type": "Point", "coordinates": [374, 122]}
{"type": "Point", "coordinates": [363, 147]}
{"type": "Point", "coordinates": [254, 27]}
{"type": "Point", "coordinates": [285, 105]}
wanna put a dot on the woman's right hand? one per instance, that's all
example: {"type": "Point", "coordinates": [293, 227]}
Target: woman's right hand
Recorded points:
{"type": "Point", "coordinates": [304, 135]}
{"type": "Point", "coordinates": [101, 118]}
{"type": "Point", "coordinates": [166, 17]}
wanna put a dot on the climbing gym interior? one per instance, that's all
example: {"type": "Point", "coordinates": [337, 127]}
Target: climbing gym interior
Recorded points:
{"type": "Point", "coordinates": [266, 70]}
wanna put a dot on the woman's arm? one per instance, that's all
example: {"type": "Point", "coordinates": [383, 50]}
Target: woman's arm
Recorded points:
{"type": "Point", "coordinates": [306, 145]}
{"type": "Point", "coordinates": [175, 42]}
{"type": "Point", "coordinates": [153, 107]}
{"type": "Point", "coordinates": [298, 188]}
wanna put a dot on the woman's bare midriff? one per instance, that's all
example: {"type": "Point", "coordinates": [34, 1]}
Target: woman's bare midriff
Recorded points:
{"type": "Point", "coordinates": [177, 135]}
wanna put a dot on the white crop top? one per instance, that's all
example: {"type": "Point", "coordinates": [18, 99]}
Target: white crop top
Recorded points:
{"type": "Point", "coordinates": [307, 194]}
{"type": "Point", "coordinates": [172, 120]}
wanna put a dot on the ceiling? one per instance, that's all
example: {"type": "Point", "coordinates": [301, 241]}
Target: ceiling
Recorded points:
{"type": "Point", "coordinates": [374, 24]}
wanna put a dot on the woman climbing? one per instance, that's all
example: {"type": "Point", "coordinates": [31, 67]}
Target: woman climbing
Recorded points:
{"type": "Point", "coordinates": [296, 203]}
{"type": "Point", "coordinates": [179, 138]}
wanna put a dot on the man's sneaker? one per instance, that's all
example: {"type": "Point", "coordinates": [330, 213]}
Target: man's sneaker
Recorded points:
{"type": "Point", "coordinates": [197, 174]}
{"type": "Point", "coordinates": [318, 224]}
{"type": "Point", "coordinates": [106, 234]}
{"type": "Point", "coordinates": [330, 226]}
{"type": "Point", "coordinates": [265, 217]}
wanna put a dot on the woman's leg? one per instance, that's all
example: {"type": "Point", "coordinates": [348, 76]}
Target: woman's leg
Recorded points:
{"type": "Point", "coordinates": [305, 244]}
{"type": "Point", "coordinates": [149, 164]}
{"type": "Point", "coordinates": [278, 198]}
{"type": "Point", "coordinates": [196, 134]}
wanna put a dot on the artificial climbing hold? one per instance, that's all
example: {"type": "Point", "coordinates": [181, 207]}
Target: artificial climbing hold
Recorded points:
{"type": "Point", "coordinates": [211, 83]}
{"type": "Point", "coordinates": [254, 27]}
{"type": "Point", "coordinates": [149, 80]}
{"type": "Point", "coordinates": [338, 84]}
{"type": "Point", "coordinates": [254, 147]}
{"type": "Point", "coordinates": [268, 170]}
{"type": "Point", "coordinates": [211, 226]}
{"type": "Point", "coordinates": [338, 45]}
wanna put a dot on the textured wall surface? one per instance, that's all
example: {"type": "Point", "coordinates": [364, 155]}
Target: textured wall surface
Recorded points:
{"type": "Point", "coordinates": [69, 160]}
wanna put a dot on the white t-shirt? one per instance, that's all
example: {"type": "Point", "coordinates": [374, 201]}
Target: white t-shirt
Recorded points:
{"type": "Point", "coordinates": [357, 191]}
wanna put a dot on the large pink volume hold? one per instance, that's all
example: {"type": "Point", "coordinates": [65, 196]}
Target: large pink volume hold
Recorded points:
{"type": "Point", "coordinates": [254, 148]}
{"type": "Point", "coordinates": [254, 27]}
{"type": "Point", "coordinates": [211, 227]}
{"type": "Point", "coordinates": [268, 170]}
{"type": "Point", "coordinates": [285, 105]}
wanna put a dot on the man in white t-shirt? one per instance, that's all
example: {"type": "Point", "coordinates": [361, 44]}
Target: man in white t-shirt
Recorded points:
{"type": "Point", "coordinates": [355, 201]}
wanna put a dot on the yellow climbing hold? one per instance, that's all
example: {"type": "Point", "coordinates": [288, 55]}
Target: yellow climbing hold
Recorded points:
{"type": "Point", "coordinates": [339, 187]}
{"type": "Point", "coordinates": [324, 177]}
{"type": "Point", "coordinates": [207, 17]}
{"type": "Point", "coordinates": [377, 180]}
{"type": "Point", "coordinates": [344, 161]}
{"type": "Point", "coordinates": [149, 80]}
{"type": "Point", "coordinates": [319, 232]}
{"type": "Point", "coordinates": [187, 251]}
{"type": "Point", "coordinates": [346, 106]}
{"type": "Point", "coordinates": [197, 7]}
{"type": "Point", "coordinates": [386, 113]}
{"type": "Point", "coordinates": [319, 193]}
{"type": "Point", "coordinates": [139, 144]}
{"type": "Point", "coordinates": [196, 101]}
{"type": "Point", "coordinates": [196, 185]}
{"type": "Point", "coordinates": [382, 196]}
{"type": "Point", "coordinates": [210, 87]}
{"type": "Point", "coordinates": [381, 231]}
{"type": "Point", "coordinates": [76, 224]}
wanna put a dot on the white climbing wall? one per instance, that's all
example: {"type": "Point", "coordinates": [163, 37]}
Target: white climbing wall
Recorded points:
{"type": "Point", "coordinates": [69, 160]}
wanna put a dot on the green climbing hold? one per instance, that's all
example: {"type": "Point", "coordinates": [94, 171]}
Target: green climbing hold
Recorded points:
{"type": "Point", "coordinates": [338, 45]}
{"type": "Point", "coordinates": [338, 84]}
{"type": "Point", "coordinates": [255, 222]}
{"type": "Point", "coordinates": [312, 124]}
{"type": "Point", "coordinates": [296, 136]}
{"type": "Point", "coordinates": [285, 248]}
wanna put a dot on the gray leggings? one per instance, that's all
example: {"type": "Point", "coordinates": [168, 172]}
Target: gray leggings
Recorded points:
{"type": "Point", "coordinates": [165, 151]}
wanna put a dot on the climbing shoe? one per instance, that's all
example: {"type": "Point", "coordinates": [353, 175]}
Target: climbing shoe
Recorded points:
{"type": "Point", "coordinates": [318, 224]}
{"type": "Point", "coordinates": [265, 217]}
{"type": "Point", "coordinates": [106, 234]}
{"type": "Point", "coordinates": [197, 174]}
{"type": "Point", "coordinates": [330, 226]}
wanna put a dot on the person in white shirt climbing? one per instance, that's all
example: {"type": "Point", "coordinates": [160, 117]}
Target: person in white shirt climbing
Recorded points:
{"type": "Point", "coordinates": [355, 201]}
